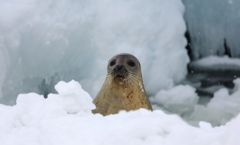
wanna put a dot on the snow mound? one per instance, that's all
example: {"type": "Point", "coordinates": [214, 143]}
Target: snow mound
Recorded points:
{"type": "Point", "coordinates": [38, 121]}
{"type": "Point", "coordinates": [72, 97]}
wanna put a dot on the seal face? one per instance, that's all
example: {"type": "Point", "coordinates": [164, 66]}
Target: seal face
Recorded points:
{"type": "Point", "coordinates": [123, 88]}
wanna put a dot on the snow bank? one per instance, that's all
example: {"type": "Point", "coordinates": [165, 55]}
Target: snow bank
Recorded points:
{"type": "Point", "coordinates": [38, 121]}
{"type": "Point", "coordinates": [184, 101]}
{"type": "Point", "coordinates": [45, 41]}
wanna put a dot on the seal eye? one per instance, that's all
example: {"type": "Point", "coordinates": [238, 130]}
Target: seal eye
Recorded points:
{"type": "Point", "coordinates": [112, 63]}
{"type": "Point", "coordinates": [131, 63]}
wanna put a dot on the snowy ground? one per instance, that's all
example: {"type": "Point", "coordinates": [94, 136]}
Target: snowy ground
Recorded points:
{"type": "Point", "coordinates": [66, 118]}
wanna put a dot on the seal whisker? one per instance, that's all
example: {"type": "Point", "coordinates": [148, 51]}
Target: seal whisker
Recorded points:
{"type": "Point", "coordinates": [134, 77]}
{"type": "Point", "coordinates": [133, 81]}
{"type": "Point", "coordinates": [134, 74]}
{"type": "Point", "coordinates": [107, 80]}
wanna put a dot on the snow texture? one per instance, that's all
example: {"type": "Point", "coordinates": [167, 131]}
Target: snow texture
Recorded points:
{"type": "Point", "coordinates": [38, 121]}
{"type": "Point", "coordinates": [213, 26]}
{"type": "Point", "coordinates": [45, 41]}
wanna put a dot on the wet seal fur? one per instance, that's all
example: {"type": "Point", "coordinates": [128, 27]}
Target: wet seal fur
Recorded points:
{"type": "Point", "coordinates": [123, 88]}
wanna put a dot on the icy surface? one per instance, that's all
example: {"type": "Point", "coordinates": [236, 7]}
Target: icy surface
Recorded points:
{"type": "Point", "coordinates": [38, 121]}
{"type": "Point", "coordinates": [216, 60]}
{"type": "Point", "coordinates": [213, 27]}
{"type": "Point", "coordinates": [45, 41]}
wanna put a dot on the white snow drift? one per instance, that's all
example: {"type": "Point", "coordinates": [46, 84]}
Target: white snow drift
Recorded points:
{"type": "Point", "coordinates": [66, 118]}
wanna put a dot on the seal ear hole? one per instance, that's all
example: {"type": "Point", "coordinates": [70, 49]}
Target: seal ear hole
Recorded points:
{"type": "Point", "coordinates": [112, 63]}
{"type": "Point", "coordinates": [131, 63]}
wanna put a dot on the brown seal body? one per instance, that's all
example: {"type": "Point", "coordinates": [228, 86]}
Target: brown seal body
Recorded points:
{"type": "Point", "coordinates": [123, 88]}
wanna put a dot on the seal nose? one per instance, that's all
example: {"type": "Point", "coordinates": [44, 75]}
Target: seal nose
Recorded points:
{"type": "Point", "coordinates": [119, 67]}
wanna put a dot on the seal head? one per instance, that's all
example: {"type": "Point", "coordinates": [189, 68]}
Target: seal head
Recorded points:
{"type": "Point", "coordinates": [122, 68]}
{"type": "Point", "coordinates": [123, 88]}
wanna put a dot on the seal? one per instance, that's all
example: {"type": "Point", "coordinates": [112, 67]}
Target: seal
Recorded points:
{"type": "Point", "coordinates": [123, 88]}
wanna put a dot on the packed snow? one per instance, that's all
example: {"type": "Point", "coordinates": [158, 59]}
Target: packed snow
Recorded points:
{"type": "Point", "coordinates": [46, 41]}
{"type": "Point", "coordinates": [66, 118]}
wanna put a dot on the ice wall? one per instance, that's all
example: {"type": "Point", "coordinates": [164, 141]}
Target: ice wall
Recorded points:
{"type": "Point", "coordinates": [213, 26]}
{"type": "Point", "coordinates": [44, 41]}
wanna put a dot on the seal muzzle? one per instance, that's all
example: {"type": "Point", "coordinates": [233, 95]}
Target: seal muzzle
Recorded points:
{"type": "Point", "coordinates": [119, 71]}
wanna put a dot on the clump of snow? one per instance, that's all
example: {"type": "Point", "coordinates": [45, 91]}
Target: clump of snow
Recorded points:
{"type": "Point", "coordinates": [72, 97]}
{"type": "Point", "coordinates": [77, 38]}
{"type": "Point", "coordinates": [38, 121]}
{"type": "Point", "coordinates": [180, 99]}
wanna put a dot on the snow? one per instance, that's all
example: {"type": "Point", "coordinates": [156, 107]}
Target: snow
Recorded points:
{"type": "Point", "coordinates": [71, 97]}
{"type": "Point", "coordinates": [38, 121]}
{"type": "Point", "coordinates": [221, 108]}
{"type": "Point", "coordinates": [180, 99]}
{"type": "Point", "coordinates": [183, 100]}
{"type": "Point", "coordinates": [210, 61]}
{"type": "Point", "coordinates": [45, 41]}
